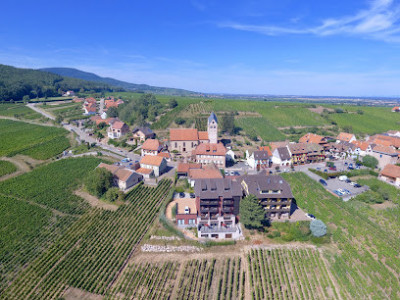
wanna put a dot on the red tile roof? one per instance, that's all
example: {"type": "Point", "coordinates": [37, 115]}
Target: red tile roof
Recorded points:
{"type": "Point", "coordinates": [312, 138]}
{"type": "Point", "coordinates": [265, 148]}
{"type": "Point", "coordinates": [360, 144]}
{"type": "Point", "coordinates": [210, 149]}
{"type": "Point", "coordinates": [164, 154]}
{"type": "Point", "coordinates": [118, 124]}
{"type": "Point", "coordinates": [396, 108]}
{"type": "Point", "coordinates": [120, 172]}
{"type": "Point", "coordinates": [203, 135]}
{"type": "Point", "coordinates": [185, 167]}
{"type": "Point", "coordinates": [151, 144]}
{"type": "Point", "coordinates": [344, 136]}
{"type": "Point", "coordinates": [391, 171]}
{"type": "Point", "coordinates": [185, 134]}
{"type": "Point", "coordinates": [151, 160]}
{"type": "Point", "coordinates": [144, 171]}
{"type": "Point", "coordinates": [210, 171]}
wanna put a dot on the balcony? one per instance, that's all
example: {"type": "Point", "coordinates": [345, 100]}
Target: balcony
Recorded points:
{"type": "Point", "coordinates": [205, 209]}
{"type": "Point", "coordinates": [208, 202]}
{"type": "Point", "coordinates": [228, 202]}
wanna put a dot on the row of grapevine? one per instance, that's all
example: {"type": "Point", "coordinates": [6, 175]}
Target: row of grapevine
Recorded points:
{"type": "Point", "coordinates": [146, 281]}
{"type": "Point", "coordinates": [94, 251]}
{"type": "Point", "coordinates": [289, 274]}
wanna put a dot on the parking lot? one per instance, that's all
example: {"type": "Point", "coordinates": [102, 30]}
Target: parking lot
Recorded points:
{"type": "Point", "coordinates": [335, 184]}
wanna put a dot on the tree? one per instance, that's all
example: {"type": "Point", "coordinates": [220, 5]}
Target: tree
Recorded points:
{"type": "Point", "coordinates": [370, 161]}
{"type": "Point", "coordinates": [112, 112]}
{"type": "Point", "coordinates": [251, 212]}
{"type": "Point", "coordinates": [228, 123]}
{"type": "Point", "coordinates": [172, 103]}
{"type": "Point", "coordinates": [25, 98]}
{"type": "Point", "coordinates": [59, 119]}
{"type": "Point", "coordinates": [114, 194]}
{"type": "Point", "coordinates": [180, 121]}
{"type": "Point", "coordinates": [98, 181]}
{"type": "Point", "coordinates": [318, 228]}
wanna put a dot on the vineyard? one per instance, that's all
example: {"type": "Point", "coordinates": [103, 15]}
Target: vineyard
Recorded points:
{"type": "Point", "coordinates": [6, 167]}
{"type": "Point", "coordinates": [52, 185]}
{"type": "Point", "coordinates": [289, 274]}
{"type": "Point", "coordinates": [358, 239]}
{"type": "Point", "coordinates": [91, 254]}
{"type": "Point", "coordinates": [68, 111]}
{"type": "Point", "coordinates": [19, 110]}
{"type": "Point", "coordinates": [39, 142]}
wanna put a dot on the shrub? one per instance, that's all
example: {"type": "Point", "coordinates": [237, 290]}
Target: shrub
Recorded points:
{"type": "Point", "coordinates": [98, 181]}
{"type": "Point", "coordinates": [318, 228]}
{"type": "Point", "coordinates": [370, 161]}
{"type": "Point", "coordinates": [113, 194]}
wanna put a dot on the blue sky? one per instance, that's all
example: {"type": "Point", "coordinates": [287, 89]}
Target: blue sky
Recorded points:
{"type": "Point", "coordinates": [286, 47]}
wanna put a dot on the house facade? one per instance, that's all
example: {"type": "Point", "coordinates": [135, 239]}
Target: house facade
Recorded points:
{"type": "Point", "coordinates": [303, 153]}
{"type": "Point", "coordinates": [209, 153]}
{"type": "Point", "coordinates": [385, 155]}
{"type": "Point", "coordinates": [117, 129]}
{"type": "Point", "coordinates": [151, 147]}
{"type": "Point", "coordinates": [186, 212]}
{"type": "Point", "coordinates": [123, 178]}
{"type": "Point", "coordinates": [217, 203]}
{"type": "Point", "coordinates": [281, 156]}
{"type": "Point", "coordinates": [391, 175]}
{"type": "Point", "coordinates": [272, 192]}
{"type": "Point", "coordinates": [258, 159]}
{"type": "Point", "coordinates": [185, 140]}
{"type": "Point", "coordinates": [143, 133]}
{"type": "Point", "coordinates": [151, 165]}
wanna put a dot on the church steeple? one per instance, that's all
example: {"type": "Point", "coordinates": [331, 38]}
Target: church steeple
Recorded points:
{"type": "Point", "coordinates": [212, 128]}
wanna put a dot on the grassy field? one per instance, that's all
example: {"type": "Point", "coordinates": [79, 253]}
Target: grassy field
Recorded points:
{"type": "Point", "coordinates": [365, 261]}
{"type": "Point", "coordinates": [39, 142]}
{"type": "Point", "coordinates": [6, 167]}
{"type": "Point", "coordinates": [260, 127]}
{"type": "Point", "coordinates": [68, 111]}
{"type": "Point", "coordinates": [18, 111]}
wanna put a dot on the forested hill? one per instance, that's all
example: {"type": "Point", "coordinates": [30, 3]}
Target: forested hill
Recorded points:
{"type": "Point", "coordinates": [75, 73]}
{"type": "Point", "coordinates": [15, 83]}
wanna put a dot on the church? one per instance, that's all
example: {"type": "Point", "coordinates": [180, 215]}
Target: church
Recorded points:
{"type": "Point", "coordinates": [201, 146]}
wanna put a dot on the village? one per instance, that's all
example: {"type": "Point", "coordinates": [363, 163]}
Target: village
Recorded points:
{"type": "Point", "coordinates": [211, 178]}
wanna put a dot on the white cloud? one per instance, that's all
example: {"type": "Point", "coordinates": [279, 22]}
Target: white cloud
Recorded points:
{"type": "Point", "coordinates": [380, 21]}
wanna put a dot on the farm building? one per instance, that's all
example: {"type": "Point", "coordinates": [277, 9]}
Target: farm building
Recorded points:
{"type": "Point", "coordinates": [123, 178]}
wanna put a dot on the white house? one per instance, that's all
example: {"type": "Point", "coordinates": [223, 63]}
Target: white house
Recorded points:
{"type": "Point", "coordinates": [151, 165]}
{"type": "Point", "coordinates": [117, 129]}
{"type": "Point", "coordinates": [281, 156]}
{"type": "Point", "coordinates": [345, 137]}
{"type": "Point", "coordinates": [230, 155]}
{"type": "Point", "coordinates": [123, 178]}
{"type": "Point", "coordinates": [391, 174]}
{"type": "Point", "coordinates": [258, 159]}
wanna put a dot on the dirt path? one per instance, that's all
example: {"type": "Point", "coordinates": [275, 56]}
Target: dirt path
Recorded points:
{"type": "Point", "coordinates": [95, 202]}
{"type": "Point", "coordinates": [77, 294]}
{"type": "Point", "coordinates": [27, 121]}
{"type": "Point", "coordinates": [22, 167]}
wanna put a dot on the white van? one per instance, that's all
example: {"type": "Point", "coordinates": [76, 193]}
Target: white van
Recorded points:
{"type": "Point", "coordinates": [343, 178]}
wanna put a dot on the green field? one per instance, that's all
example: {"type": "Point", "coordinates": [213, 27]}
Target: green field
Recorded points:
{"type": "Point", "coordinates": [6, 167]}
{"type": "Point", "coordinates": [260, 127]}
{"type": "Point", "coordinates": [365, 261]}
{"type": "Point", "coordinates": [39, 142]}
{"type": "Point", "coordinates": [26, 228]}
{"type": "Point", "coordinates": [18, 111]}
{"type": "Point", "coordinates": [93, 250]}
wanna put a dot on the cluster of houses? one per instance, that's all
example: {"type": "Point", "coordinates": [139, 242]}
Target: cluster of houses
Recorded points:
{"type": "Point", "coordinates": [214, 206]}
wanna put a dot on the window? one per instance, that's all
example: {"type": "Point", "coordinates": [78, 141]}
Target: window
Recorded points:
{"type": "Point", "coordinates": [176, 145]}
{"type": "Point", "coordinates": [192, 221]}
{"type": "Point", "coordinates": [181, 222]}
{"type": "Point", "coordinates": [184, 144]}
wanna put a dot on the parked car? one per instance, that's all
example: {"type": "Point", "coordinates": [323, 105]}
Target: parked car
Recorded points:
{"type": "Point", "coordinates": [357, 185]}
{"type": "Point", "coordinates": [338, 193]}
{"type": "Point", "coordinates": [310, 216]}
{"type": "Point", "coordinates": [323, 182]}
{"type": "Point", "coordinates": [182, 195]}
{"type": "Point", "coordinates": [352, 183]}
{"type": "Point", "coordinates": [343, 178]}
{"type": "Point", "coordinates": [326, 170]}
{"type": "Point", "coordinates": [236, 173]}
{"type": "Point", "coordinates": [347, 192]}
{"type": "Point", "coordinates": [332, 168]}
{"type": "Point", "coordinates": [192, 195]}
{"type": "Point", "coordinates": [187, 210]}
{"type": "Point", "coordinates": [348, 180]}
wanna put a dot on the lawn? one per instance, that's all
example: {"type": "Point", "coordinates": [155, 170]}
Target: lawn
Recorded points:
{"type": "Point", "coordinates": [39, 142]}
{"type": "Point", "coordinates": [366, 262]}
{"type": "Point", "coordinates": [6, 167]}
